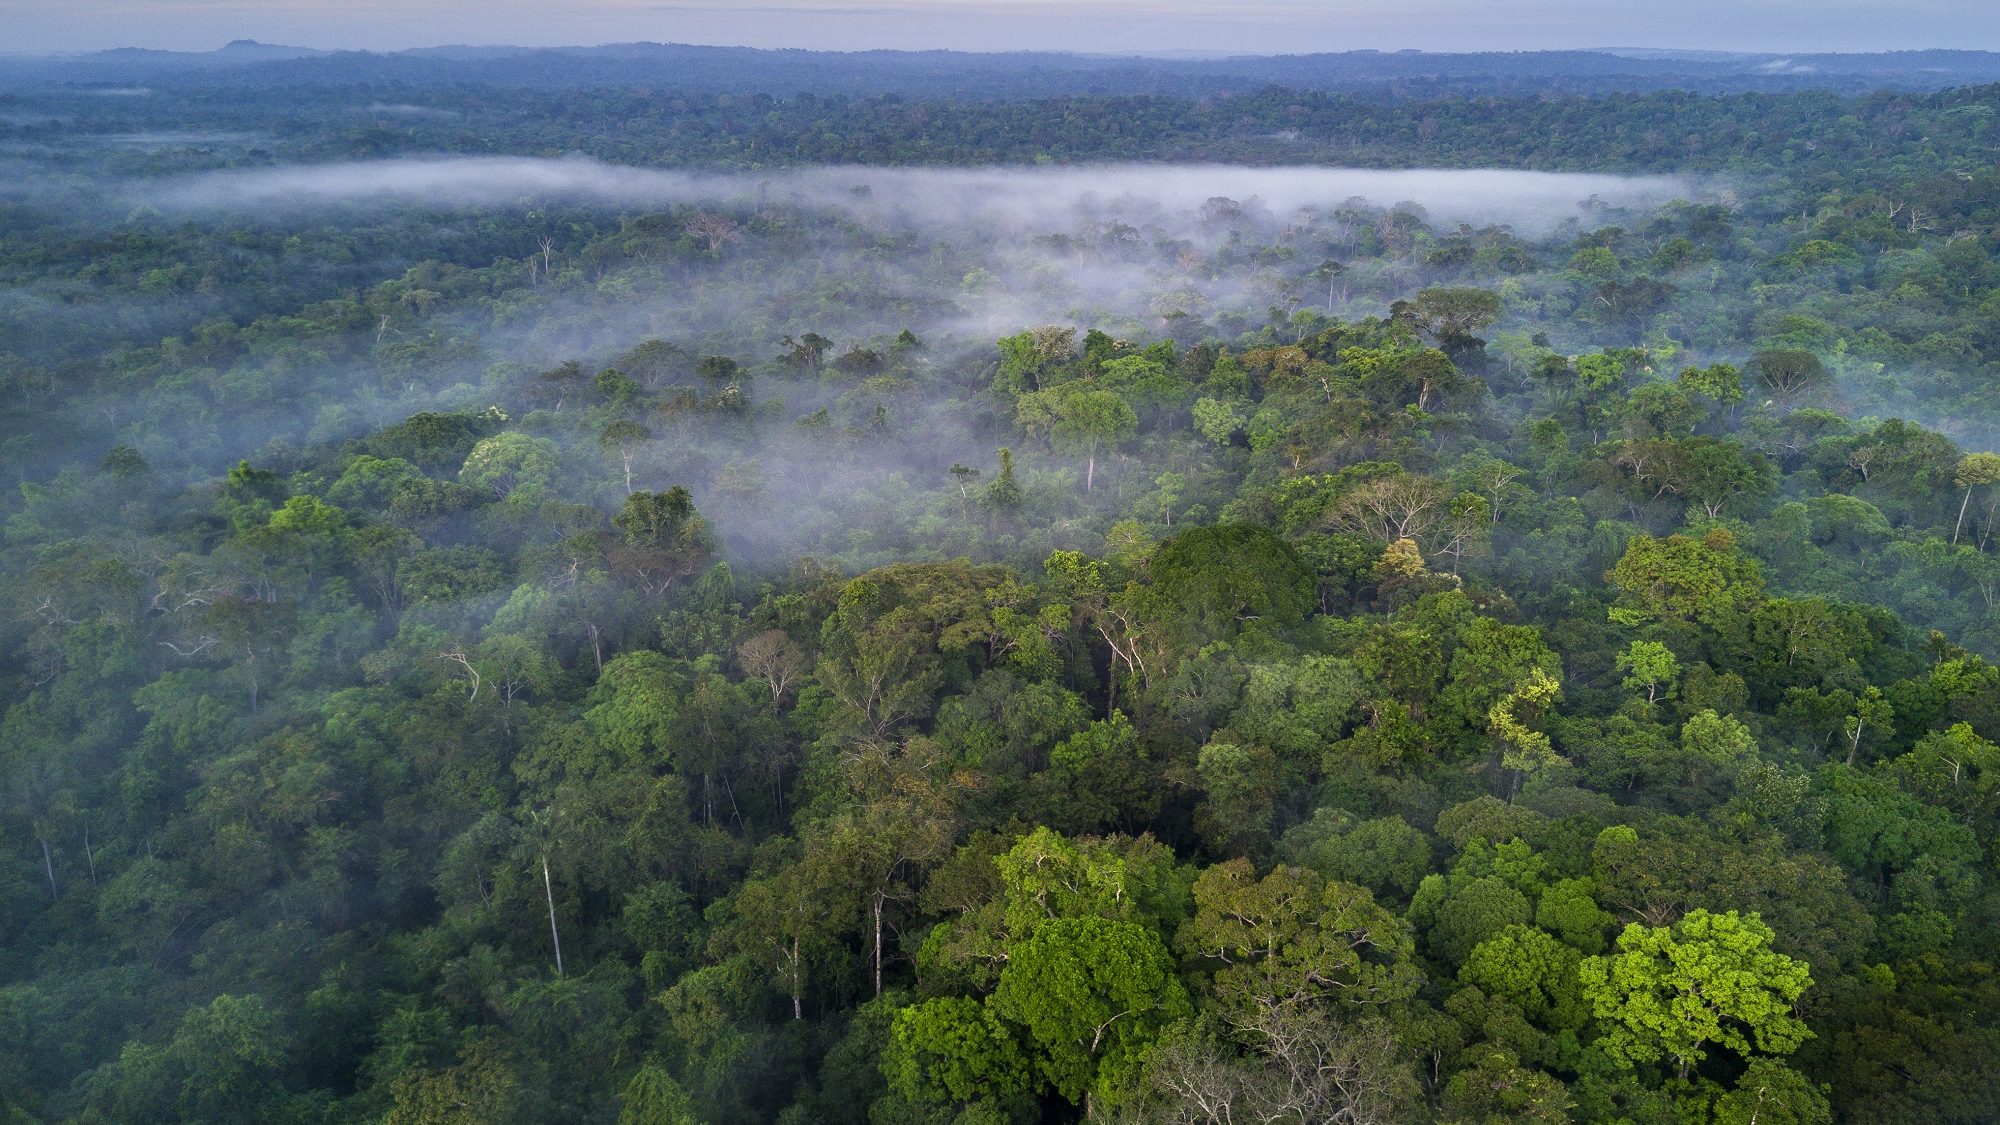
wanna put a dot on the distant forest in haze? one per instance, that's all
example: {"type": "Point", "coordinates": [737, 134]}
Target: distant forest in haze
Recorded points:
{"type": "Point", "coordinates": [670, 585]}
{"type": "Point", "coordinates": [1021, 74]}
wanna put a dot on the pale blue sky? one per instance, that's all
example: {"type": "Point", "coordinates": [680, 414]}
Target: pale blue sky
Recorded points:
{"type": "Point", "coordinates": [1251, 26]}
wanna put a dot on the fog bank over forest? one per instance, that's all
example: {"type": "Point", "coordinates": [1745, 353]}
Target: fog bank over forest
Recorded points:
{"type": "Point", "coordinates": [1535, 201]}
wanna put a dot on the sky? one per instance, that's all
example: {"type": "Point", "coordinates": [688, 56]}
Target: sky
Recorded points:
{"type": "Point", "coordinates": [1108, 26]}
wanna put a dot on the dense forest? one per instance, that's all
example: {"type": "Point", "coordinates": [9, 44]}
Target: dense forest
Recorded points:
{"type": "Point", "coordinates": [535, 604]}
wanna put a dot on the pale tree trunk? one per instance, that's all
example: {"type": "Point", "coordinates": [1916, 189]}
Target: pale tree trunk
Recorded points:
{"type": "Point", "coordinates": [49, 865]}
{"type": "Point", "coordinates": [1961, 515]}
{"type": "Point", "coordinates": [798, 1006]}
{"type": "Point", "coordinates": [878, 943]}
{"type": "Point", "coordinates": [548, 888]}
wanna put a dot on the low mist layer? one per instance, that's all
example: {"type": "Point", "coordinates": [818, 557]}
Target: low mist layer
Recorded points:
{"type": "Point", "coordinates": [1532, 200]}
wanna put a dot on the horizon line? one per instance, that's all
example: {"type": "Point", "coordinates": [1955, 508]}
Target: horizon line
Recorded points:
{"type": "Point", "coordinates": [1167, 54]}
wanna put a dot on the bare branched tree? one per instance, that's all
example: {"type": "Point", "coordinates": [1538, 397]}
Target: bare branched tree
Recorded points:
{"type": "Point", "coordinates": [716, 230]}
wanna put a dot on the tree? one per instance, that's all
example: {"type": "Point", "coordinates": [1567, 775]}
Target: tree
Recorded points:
{"type": "Point", "coordinates": [482, 1088]}
{"type": "Point", "coordinates": [716, 230]}
{"type": "Point", "coordinates": [1955, 768]}
{"type": "Point", "coordinates": [1496, 1088]}
{"type": "Point", "coordinates": [1079, 418]}
{"type": "Point", "coordinates": [1771, 1093]}
{"type": "Point", "coordinates": [1046, 876]}
{"type": "Point", "coordinates": [1385, 854]}
{"type": "Point", "coordinates": [1217, 421]}
{"type": "Point", "coordinates": [785, 922]}
{"type": "Point", "coordinates": [1142, 380]}
{"type": "Point", "coordinates": [622, 434]}
{"type": "Point", "coordinates": [807, 352]}
{"type": "Point", "coordinates": [1712, 473]}
{"type": "Point", "coordinates": [954, 1050]}
{"type": "Point", "coordinates": [1657, 875]}
{"type": "Point", "coordinates": [1788, 372]}
{"type": "Point", "coordinates": [542, 832]}
{"type": "Point", "coordinates": [1524, 749]}
{"type": "Point", "coordinates": [1872, 711]}
{"type": "Point", "coordinates": [1306, 1067]}
{"type": "Point", "coordinates": [225, 1061]}
{"type": "Point", "coordinates": [1682, 578]}
{"type": "Point", "coordinates": [1456, 914]}
{"type": "Point", "coordinates": [964, 475]}
{"type": "Point", "coordinates": [1096, 778]}
{"type": "Point", "coordinates": [1492, 477]}
{"type": "Point", "coordinates": [1719, 382]}
{"type": "Point", "coordinates": [1395, 506]}
{"type": "Point", "coordinates": [904, 825]}
{"type": "Point", "coordinates": [1534, 971]}
{"type": "Point", "coordinates": [1091, 995]}
{"type": "Point", "coordinates": [123, 463]}
{"type": "Point", "coordinates": [1444, 313]}
{"type": "Point", "coordinates": [1208, 582]}
{"type": "Point", "coordinates": [1004, 494]}
{"type": "Point", "coordinates": [775, 659]}
{"type": "Point", "coordinates": [1974, 469]}
{"type": "Point", "coordinates": [555, 385]}
{"type": "Point", "coordinates": [884, 651]}
{"type": "Point", "coordinates": [1568, 909]}
{"type": "Point", "coordinates": [1329, 271]}
{"type": "Point", "coordinates": [1716, 744]}
{"type": "Point", "coordinates": [511, 466]}
{"type": "Point", "coordinates": [652, 1097]}
{"type": "Point", "coordinates": [1922, 862]}
{"type": "Point", "coordinates": [665, 539]}
{"type": "Point", "coordinates": [1669, 993]}
{"type": "Point", "coordinates": [1650, 665]}
{"type": "Point", "coordinates": [1239, 786]}
{"type": "Point", "coordinates": [1630, 302]}
{"type": "Point", "coordinates": [1293, 940]}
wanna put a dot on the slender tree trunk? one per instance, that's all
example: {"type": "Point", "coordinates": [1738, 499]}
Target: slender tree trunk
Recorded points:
{"type": "Point", "coordinates": [1090, 469]}
{"type": "Point", "coordinates": [49, 865]}
{"type": "Point", "coordinates": [798, 1007]}
{"type": "Point", "coordinates": [548, 888]}
{"type": "Point", "coordinates": [1961, 515]}
{"type": "Point", "coordinates": [878, 943]}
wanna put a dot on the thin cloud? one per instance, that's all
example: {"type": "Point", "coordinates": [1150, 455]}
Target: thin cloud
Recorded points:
{"type": "Point", "coordinates": [999, 197]}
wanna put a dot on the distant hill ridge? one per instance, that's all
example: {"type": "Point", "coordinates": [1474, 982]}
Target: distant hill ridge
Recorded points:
{"type": "Point", "coordinates": [934, 73]}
